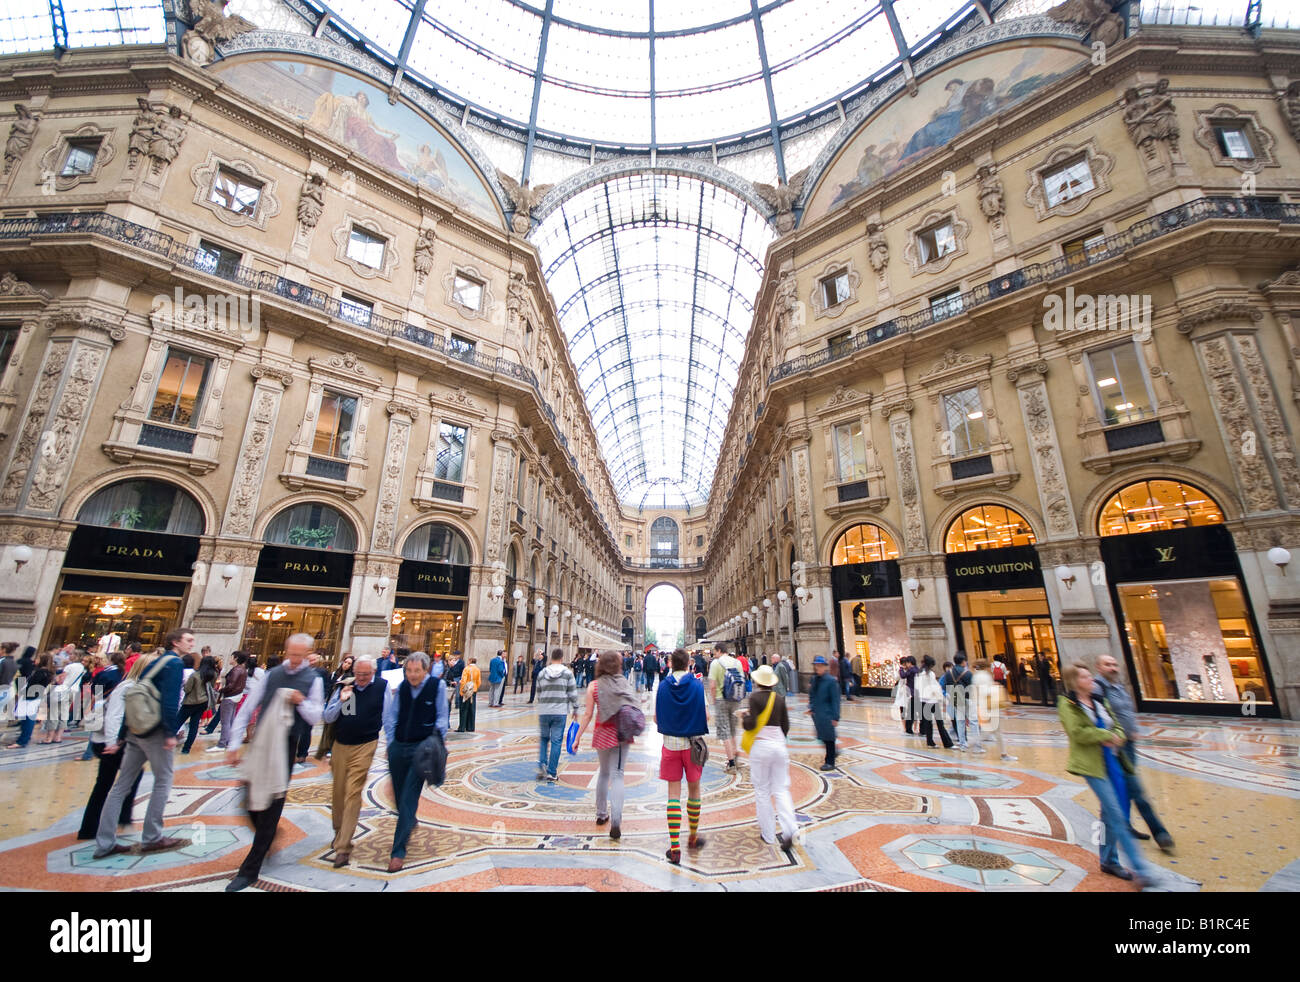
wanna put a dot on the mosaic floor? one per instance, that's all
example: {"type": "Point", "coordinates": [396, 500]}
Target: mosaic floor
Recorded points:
{"type": "Point", "coordinates": [895, 816]}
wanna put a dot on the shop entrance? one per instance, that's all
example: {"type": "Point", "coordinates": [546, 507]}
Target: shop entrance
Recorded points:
{"type": "Point", "coordinates": [434, 631]}
{"type": "Point", "coordinates": [1015, 627]}
{"type": "Point", "coordinates": [84, 619]}
{"type": "Point", "coordinates": [270, 624]}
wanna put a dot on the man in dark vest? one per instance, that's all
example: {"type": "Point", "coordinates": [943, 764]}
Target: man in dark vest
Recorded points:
{"type": "Point", "coordinates": [412, 711]}
{"type": "Point", "coordinates": [357, 712]}
{"type": "Point", "coordinates": [307, 696]}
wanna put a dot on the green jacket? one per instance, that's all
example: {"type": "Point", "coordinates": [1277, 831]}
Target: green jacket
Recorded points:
{"type": "Point", "coordinates": [1085, 736]}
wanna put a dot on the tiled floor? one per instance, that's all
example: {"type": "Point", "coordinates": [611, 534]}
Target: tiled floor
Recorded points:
{"type": "Point", "coordinates": [896, 816]}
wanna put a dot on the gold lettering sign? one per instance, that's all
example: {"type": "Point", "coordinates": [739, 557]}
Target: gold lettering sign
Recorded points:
{"type": "Point", "coordinates": [866, 579]}
{"type": "Point", "coordinates": [134, 552]}
{"type": "Point", "coordinates": [1017, 567]}
{"type": "Point", "coordinates": [432, 578]}
{"type": "Point", "coordinates": [1166, 554]}
{"type": "Point", "coordinates": [305, 567]}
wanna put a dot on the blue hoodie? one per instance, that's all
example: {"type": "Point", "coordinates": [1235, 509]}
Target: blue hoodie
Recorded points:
{"type": "Point", "coordinates": [679, 707]}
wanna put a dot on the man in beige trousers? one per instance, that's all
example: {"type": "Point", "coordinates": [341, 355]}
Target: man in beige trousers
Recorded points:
{"type": "Point", "coordinates": [357, 712]}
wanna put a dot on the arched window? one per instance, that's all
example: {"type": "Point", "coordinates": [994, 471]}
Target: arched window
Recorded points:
{"type": "Point", "coordinates": [701, 627]}
{"type": "Point", "coordinates": [512, 563]}
{"type": "Point", "coordinates": [864, 544]}
{"type": "Point", "coordinates": [663, 539]}
{"type": "Point", "coordinates": [988, 527]}
{"type": "Point", "coordinates": [145, 506]}
{"type": "Point", "coordinates": [1156, 506]}
{"type": "Point", "coordinates": [314, 526]}
{"type": "Point", "coordinates": [436, 542]}
{"type": "Point", "coordinates": [532, 572]}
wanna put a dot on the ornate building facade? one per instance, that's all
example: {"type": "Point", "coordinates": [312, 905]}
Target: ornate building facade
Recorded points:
{"type": "Point", "coordinates": [1024, 380]}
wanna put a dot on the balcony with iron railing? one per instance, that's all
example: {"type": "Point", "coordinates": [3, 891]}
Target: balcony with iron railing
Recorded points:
{"type": "Point", "coordinates": [1112, 247]}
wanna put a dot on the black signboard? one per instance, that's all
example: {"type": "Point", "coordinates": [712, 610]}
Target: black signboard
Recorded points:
{"type": "Point", "coordinates": [305, 567]}
{"type": "Point", "coordinates": [864, 581]}
{"type": "Point", "coordinates": [126, 551]}
{"type": "Point", "coordinates": [1203, 550]}
{"type": "Point", "coordinates": [443, 579]}
{"type": "Point", "coordinates": [994, 569]}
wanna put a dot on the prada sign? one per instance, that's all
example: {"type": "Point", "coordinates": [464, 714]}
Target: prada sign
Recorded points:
{"type": "Point", "coordinates": [995, 569]}
{"type": "Point", "coordinates": [1203, 550]}
{"type": "Point", "coordinates": [305, 567]}
{"type": "Point", "coordinates": [863, 581]}
{"type": "Point", "coordinates": [442, 579]}
{"type": "Point", "coordinates": [126, 551]}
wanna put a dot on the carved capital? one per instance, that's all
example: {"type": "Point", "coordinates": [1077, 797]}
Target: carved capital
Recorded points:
{"type": "Point", "coordinates": [284, 377]}
{"type": "Point", "coordinates": [1224, 310]}
{"type": "Point", "coordinates": [400, 407]}
{"type": "Point", "coordinates": [1016, 371]}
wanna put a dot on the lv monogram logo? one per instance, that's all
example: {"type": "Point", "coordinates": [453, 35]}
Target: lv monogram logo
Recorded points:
{"type": "Point", "coordinates": [1166, 554]}
{"type": "Point", "coordinates": [866, 578]}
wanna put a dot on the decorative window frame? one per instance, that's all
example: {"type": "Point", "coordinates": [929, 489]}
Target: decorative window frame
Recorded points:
{"type": "Point", "coordinates": [1100, 164]}
{"type": "Point", "coordinates": [178, 329]}
{"type": "Point", "coordinates": [22, 304]}
{"type": "Point", "coordinates": [52, 160]}
{"type": "Point", "coordinates": [346, 375]}
{"type": "Point", "coordinates": [818, 298]}
{"type": "Point", "coordinates": [960, 233]}
{"type": "Point", "coordinates": [469, 272]}
{"type": "Point", "coordinates": [1262, 140]}
{"type": "Point", "coordinates": [205, 173]}
{"type": "Point", "coordinates": [850, 406]}
{"type": "Point", "coordinates": [457, 408]}
{"type": "Point", "coordinates": [954, 372]}
{"type": "Point", "coordinates": [343, 233]}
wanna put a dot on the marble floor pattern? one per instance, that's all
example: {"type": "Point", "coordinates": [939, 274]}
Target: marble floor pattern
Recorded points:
{"type": "Point", "coordinates": [896, 816]}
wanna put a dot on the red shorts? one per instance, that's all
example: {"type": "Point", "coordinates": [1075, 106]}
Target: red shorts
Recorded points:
{"type": "Point", "coordinates": [673, 762]}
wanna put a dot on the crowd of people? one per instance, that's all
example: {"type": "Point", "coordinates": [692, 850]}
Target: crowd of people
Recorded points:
{"type": "Point", "coordinates": [140, 708]}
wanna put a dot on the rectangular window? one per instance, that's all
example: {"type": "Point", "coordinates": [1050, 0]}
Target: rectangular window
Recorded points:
{"type": "Point", "coordinates": [356, 310]}
{"type": "Point", "coordinates": [965, 417]}
{"type": "Point", "coordinates": [80, 159]}
{"type": "Point", "coordinates": [334, 425]}
{"type": "Point", "coordinates": [467, 292]}
{"type": "Point", "coordinates": [946, 304]}
{"type": "Point", "coordinates": [627, 542]}
{"type": "Point", "coordinates": [699, 598]}
{"type": "Point", "coordinates": [218, 259]}
{"type": "Point", "coordinates": [935, 242]}
{"type": "Point", "coordinates": [366, 248]}
{"type": "Point", "coordinates": [1067, 181]}
{"type": "Point", "coordinates": [1119, 384]}
{"type": "Point", "coordinates": [851, 451]}
{"type": "Point", "coordinates": [8, 339]}
{"type": "Point", "coordinates": [699, 542]}
{"type": "Point", "coordinates": [521, 488]}
{"type": "Point", "coordinates": [459, 347]}
{"type": "Point", "coordinates": [236, 193]}
{"type": "Point", "coordinates": [785, 481]}
{"type": "Point", "coordinates": [835, 288]}
{"type": "Point", "coordinates": [450, 464]}
{"type": "Point", "coordinates": [1085, 246]}
{"type": "Point", "coordinates": [179, 395]}
{"type": "Point", "coordinates": [627, 596]}
{"type": "Point", "coordinates": [1234, 142]}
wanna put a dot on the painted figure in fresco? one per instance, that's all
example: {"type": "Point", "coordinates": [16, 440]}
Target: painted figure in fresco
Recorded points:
{"type": "Point", "coordinates": [430, 167]}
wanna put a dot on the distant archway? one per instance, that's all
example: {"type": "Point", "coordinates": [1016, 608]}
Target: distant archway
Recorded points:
{"type": "Point", "coordinates": [664, 618]}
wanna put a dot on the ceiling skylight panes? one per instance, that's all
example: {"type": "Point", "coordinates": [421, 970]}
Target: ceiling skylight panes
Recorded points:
{"type": "Point", "coordinates": [504, 90]}
{"type": "Point", "coordinates": [627, 15]}
{"type": "Point", "coordinates": [918, 18]}
{"type": "Point", "coordinates": [655, 276]}
{"type": "Point", "coordinates": [26, 26]}
{"type": "Point", "coordinates": [861, 49]}
{"type": "Point", "coordinates": [383, 22]}
{"type": "Point", "coordinates": [680, 15]}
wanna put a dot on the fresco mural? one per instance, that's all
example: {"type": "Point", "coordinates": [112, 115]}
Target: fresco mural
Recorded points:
{"type": "Point", "coordinates": [950, 100]}
{"type": "Point", "coordinates": [356, 114]}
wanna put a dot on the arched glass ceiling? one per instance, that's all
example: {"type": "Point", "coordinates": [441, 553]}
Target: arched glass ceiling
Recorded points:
{"type": "Point", "coordinates": [655, 275]}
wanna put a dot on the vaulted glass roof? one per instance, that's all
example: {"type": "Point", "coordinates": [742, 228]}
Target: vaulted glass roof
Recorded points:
{"type": "Point", "coordinates": [654, 276]}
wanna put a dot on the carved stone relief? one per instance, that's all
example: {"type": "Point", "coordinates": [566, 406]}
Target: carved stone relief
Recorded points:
{"type": "Point", "coordinates": [1233, 411]}
{"type": "Point", "coordinates": [22, 131]}
{"type": "Point", "coordinates": [30, 440]}
{"type": "Point", "coordinates": [390, 483]}
{"type": "Point", "coordinates": [909, 494]}
{"type": "Point", "coordinates": [1045, 454]}
{"type": "Point", "coordinates": [250, 470]}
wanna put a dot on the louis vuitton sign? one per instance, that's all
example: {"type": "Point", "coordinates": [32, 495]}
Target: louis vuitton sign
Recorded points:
{"type": "Point", "coordinates": [862, 581]}
{"type": "Point", "coordinates": [995, 569]}
{"type": "Point", "coordinates": [305, 567]}
{"type": "Point", "coordinates": [440, 579]}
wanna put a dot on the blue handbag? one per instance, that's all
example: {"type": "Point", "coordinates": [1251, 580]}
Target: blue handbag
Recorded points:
{"type": "Point", "coordinates": [571, 735]}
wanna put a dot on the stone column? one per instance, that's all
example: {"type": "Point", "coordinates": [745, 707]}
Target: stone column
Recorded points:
{"type": "Point", "coordinates": [218, 606]}
{"type": "Point", "coordinates": [487, 633]}
{"type": "Point", "coordinates": [367, 623]}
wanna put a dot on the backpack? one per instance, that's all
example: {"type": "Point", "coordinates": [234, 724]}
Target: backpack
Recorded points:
{"type": "Point", "coordinates": [733, 685]}
{"type": "Point", "coordinates": [629, 722]}
{"type": "Point", "coordinates": [999, 672]}
{"type": "Point", "coordinates": [142, 705]}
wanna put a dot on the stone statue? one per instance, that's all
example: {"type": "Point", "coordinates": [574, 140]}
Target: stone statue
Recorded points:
{"type": "Point", "coordinates": [524, 198]}
{"type": "Point", "coordinates": [1103, 26]}
{"type": "Point", "coordinates": [991, 193]}
{"type": "Point", "coordinates": [877, 247]}
{"type": "Point", "coordinates": [311, 202]}
{"type": "Point", "coordinates": [782, 198]}
{"type": "Point", "coordinates": [1150, 118]}
{"type": "Point", "coordinates": [22, 131]}
{"type": "Point", "coordinates": [517, 296]}
{"type": "Point", "coordinates": [211, 24]}
{"type": "Point", "coordinates": [423, 256]}
{"type": "Point", "coordinates": [156, 134]}
{"type": "Point", "coordinates": [1290, 109]}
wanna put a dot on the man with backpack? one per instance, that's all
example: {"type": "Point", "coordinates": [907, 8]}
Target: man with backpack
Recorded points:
{"type": "Point", "coordinates": [956, 683]}
{"type": "Point", "coordinates": [151, 710]}
{"type": "Point", "coordinates": [727, 691]}
{"type": "Point", "coordinates": [649, 671]}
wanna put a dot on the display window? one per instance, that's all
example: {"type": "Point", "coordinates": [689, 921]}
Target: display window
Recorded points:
{"type": "Point", "coordinates": [1015, 627]}
{"type": "Point", "coordinates": [85, 618]}
{"type": "Point", "coordinates": [434, 631]}
{"type": "Point", "coordinates": [270, 624]}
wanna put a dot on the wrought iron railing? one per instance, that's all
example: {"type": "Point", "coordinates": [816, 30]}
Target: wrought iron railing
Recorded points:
{"type": "Point", "coordinates": [167, 438]}
{"type": "Point", "coordinates": [1113, 246]}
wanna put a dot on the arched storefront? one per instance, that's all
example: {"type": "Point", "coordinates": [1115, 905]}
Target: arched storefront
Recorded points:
{"type": "Point", "coordinates": [301, 585]}
{"type": "Point", "coordinates": [432, 587]}
{"type": "Point", "coordinates": [128, 568]}
{"type": "Point", "coordinates": [870, 621]}
{"type": "Point", "coordinates": [1175, 582]}
{"type": "Point", "coordinates": [999, 601]}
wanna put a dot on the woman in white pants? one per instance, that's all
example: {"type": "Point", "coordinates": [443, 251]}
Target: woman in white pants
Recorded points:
{"type": "Point", "coordinates": [985, 705]}
{"type": "Point", "coordinates": [766, 724]}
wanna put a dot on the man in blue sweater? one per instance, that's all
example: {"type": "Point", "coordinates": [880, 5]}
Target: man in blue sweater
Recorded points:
{"type": "Point", "coordinates": [497, 679]}
{"type": "Point", "coordinates": [156, 747]}
{"type": "Point", "coordinates": [680, 715]}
